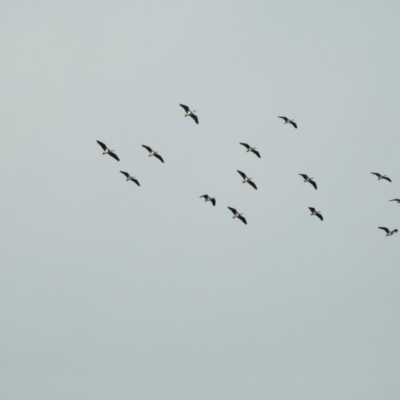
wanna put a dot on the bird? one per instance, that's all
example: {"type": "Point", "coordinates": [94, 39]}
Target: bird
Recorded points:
{"type": "Point", "coordinates": [247, 179]}
{"type": "Point", "coordinates": [153, 153]}
{"type": "Point", "coordinates": [289, 121]}
{"type": "Point", "coordinates": [316, 213]}
{"type": "Point", "coordinates": [381, 176]}
{"type": "Point", "coordinates": [251, 149]}
{"type": "Point", "coordinates": [308, 179]}
{"type": "Point", "coordinates": [107, 150]}
{"type": "Point", "coordinates": [237, 215]}
{"type": "Point", "coordinates": [208, 198]}
{"type": "Point", "coordinates": [388, 232]}
{"type": "Point", "coordinates": [130, 178]}
{"type": "Point", "coordinates": [398, 200]}
{"type": "Point", "coordinates": [190, 113]}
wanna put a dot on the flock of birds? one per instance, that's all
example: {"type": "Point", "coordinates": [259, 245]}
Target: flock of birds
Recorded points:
{"type": "Point", "coordinates": [246, 179]}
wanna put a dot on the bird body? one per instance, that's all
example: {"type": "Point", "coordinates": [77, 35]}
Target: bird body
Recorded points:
{"type": "Point", "coordinates": [388, 231]}
{"type": "Point", "coordinates": [248, 180]}
{"type": "Point", "coordinates": [251, 149]}
{"type": "Point", "coordinates": [381, 176]}
{"type": "Point", "coordinates": [309, 180]}
{"type": "Point", "coordinates": [289, 121]}
{"type": "Point", "coordinates": [316, 213]}
{"type": "Point", "coordinates": [153, 153]}
{"type": "Point", "coordinates": [107, 150]}
{"type": "Point", "coordinates": [238, 215]}
{"type": "Point", "coordinates": [190, 113]}
{"type": "Point", "coordinates": [130, 178]}
{"type": "Point", "coordinates": [208, 198]}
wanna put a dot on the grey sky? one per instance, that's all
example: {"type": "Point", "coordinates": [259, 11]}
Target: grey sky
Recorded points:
{"type": "Point", "coordinates": [113, 291]}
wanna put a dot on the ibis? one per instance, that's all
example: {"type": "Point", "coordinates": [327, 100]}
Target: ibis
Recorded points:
{"type": "Point", "coordinates": [237, 215]}
{"type": "Point", "coordinates": [152, 152]}
{"type": "Point", "coordinates": [190, 113]}
{"type": "Point", "coordinates": [107, 150]}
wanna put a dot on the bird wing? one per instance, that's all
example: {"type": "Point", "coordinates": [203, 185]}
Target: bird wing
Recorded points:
{"type": "Point", "coordinates": [159, 157]}
{"type": "Point", "coordinates": [186, 108]}
{"type": "Point", "coordinates": [395, 230]}
{"type": "Point", "coordinates": [233, 210]}
{"type": "Point", "coordinates": [376, 173]}
{"type": "Point", "coordinates": [125, 173]}
{"type": "Point", "coordinates": [314, 184]}
{"type": "Point", "coordinates": [149, 149]}
{"type": "Point", "coordinates": [243, 174]}
{"type": "Point", "coordinates": [245, 145]}
{"type": "Point", "coordinates": [136, 181]}
{"type": "Point", "coordinates": [195, 118]}
{"type": "Point", "coordinates": [256, 153]}
{"type": "Point", "coordinates": [213, 201]}
{"type": "Point", "coordinates": [103, 146]}
{"type": "Point", "coordinates": [285, 118]}
{"type": "Point", "coordinates": [312, 209]}
{"type": "Point", "coordinates": [304, 176]}
{"type": "Point", "coordinates": [388, 179]}
{"type": "Point", "coordinates": [294, 124]}
{"type": "Point", "coordinates": [398, 200]}
{"type": "Point", "coordinates": [204, 195]}
{"type": "Point", "coordinates": [384, 228]}
{"type": "Point", "coordinates": [243, 219]}
{"type": "Point", "coordinates": [320, 216]}
{"type": "Point", "coordinates": [113, 155]}
{"type": "Point", "coordinates": [252, 184]}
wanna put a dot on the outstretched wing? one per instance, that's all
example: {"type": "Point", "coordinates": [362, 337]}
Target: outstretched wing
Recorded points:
{"type": "Point", "coordinates": [312, 209]}
{"type": "Point", "coordinates": [159, 157]}
{"type": "Point", "coordinates": [252, 184]}
{"type": "Point", "coordinates": [244, 176]}
{"type": "Point", "coordinates": [387, 178]}
{"type": "Point", "coordinates": [293, 123]}
{"type": "Point", "coordinates": [376, 173]}
{"type": "Point", "coordinates": [320, 216]}
{"type": "Point", "coordinates": [256, 153]}
{"type": "Point", "coordinates": [314, 184]}
{"type": "Point", "coordinates": [195, 118]}
{"type": "Point", "coordinates": [243, 219]}
{"type": "Point", "coordinates": [233, 210]}
{"type": "Point", "coordinates": [213, 201]}
{"type": "Point", "coordinates": [204, 195]}
{"type": "Point", "coordinates": [284, 118]}
{"type": "Point", "coordinates": [103, 146]}
{"type": "Point", "coordinates": [245, 145]}
{"type": "Point", "coordinates": [384, 228]}
{"type": "Point", "coordinates": [186, 108]}
{"type": "Point", "coordinates": [125, 173]}
{"type": "Point", "coordinates": [136, 181]}
{"type": "Point", "coordinates": [304, 176]}
{"type": "Point", "coordinates": [113, 155]}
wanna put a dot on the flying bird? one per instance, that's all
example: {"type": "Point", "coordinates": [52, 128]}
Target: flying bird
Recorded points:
{"type": "Point", "coordinates": [107, 150]}
{"type": "Point", "coordinates": [208, 198]}
{"type": "Point", "coordinates": [398, 200]}
{"type": "Point", "coordinates": [130, 178]}
{"type": "Point", "coordinates": [289, 121]}
{"type": "Point", "coordinates": [237, 215]}
{"type": "Point", "coordinates": [309, 180]}
{"type": "Point", "coordinates": [247, 179]}
{"type": "Point", "coordinates": [153, 153]}
{"type": "Point", "coordinates": [316, 213]}
{"type": "Point", "coordinates": [381, 176]}
{"type": "Point", "coordinates": [190, 113]}
{"type": "Point", "coordinates": [251, 149]}
{"type": "Point", "coordinates": [388, 232]}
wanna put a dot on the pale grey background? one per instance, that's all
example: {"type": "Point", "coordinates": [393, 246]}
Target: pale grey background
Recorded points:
{"type": "Point", "coordinates": [111, 291]}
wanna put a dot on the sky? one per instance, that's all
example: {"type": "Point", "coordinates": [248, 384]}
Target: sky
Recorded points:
{"type": "Point", "coordinates": [113, 291]}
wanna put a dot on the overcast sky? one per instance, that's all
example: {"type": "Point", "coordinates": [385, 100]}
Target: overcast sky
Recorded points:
{"type": "Point", "coordinates": [113, 291]}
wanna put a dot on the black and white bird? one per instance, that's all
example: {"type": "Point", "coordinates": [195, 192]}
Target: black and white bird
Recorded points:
{"type": "Point", "coordinates": [190, 113]}
{"type": "Point", "coordinates": [153, 153]}
{"type": "Point", "coordinates": [247, 179]}
{"type": "Point", "coordinates": [381, 176]}
{"type": "Point", "coordinates": [289, 121]}
{"type": "Point", "coordinates": [107, 150]}
{"type": "Point", "coordinates": [309, 180]}
{"type": "Point", "coordinates": [316, 213]}
{"type": "Point", "coordinates": [388, 232]}
{"type": "Point", "coordinates": [208, 198]}
{"type": "Point", "coordinates": [251, 149]}
{"type": "Point", "coordinates": [237, 215]}
{"type": "Point", "coordinates": [130, 178]}
{"type": "Point", "coordinates": [398, 200]}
